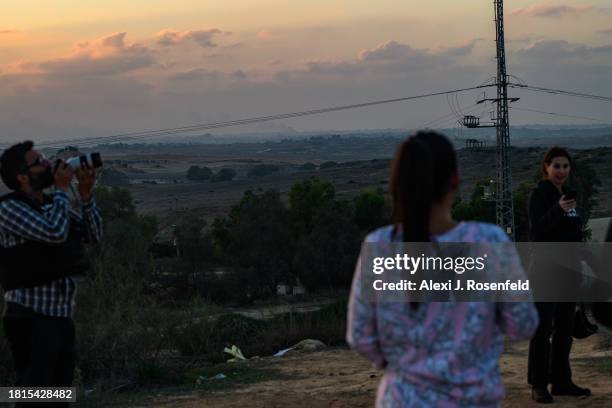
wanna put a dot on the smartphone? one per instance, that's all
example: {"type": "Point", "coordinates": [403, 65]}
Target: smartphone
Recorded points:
{"type": "Point", "coordinates": [570, 195]}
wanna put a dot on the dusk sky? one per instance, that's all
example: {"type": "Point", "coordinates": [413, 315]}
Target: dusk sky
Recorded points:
{"type": "Point", "coordinates": [83, 68]}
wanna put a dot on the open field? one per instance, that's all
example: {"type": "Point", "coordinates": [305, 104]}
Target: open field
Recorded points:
{"type": "Point", "coordinates": [157, 176]}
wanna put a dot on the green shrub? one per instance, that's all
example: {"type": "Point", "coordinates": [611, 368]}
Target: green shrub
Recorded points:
{"type": "Point", "coordinates": [198, 173]}
{"type": "Point", "coordinates": [225, 174]}
{"type": "Point", "coordinates": [308, 167]}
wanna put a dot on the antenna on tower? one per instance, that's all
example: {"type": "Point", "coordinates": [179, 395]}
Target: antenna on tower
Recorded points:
{"type": "Point", "coordinates": [504, 205]}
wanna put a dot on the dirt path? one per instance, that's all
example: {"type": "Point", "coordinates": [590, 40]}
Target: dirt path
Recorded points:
{"type": "Point", "coordinates": [338, 378]}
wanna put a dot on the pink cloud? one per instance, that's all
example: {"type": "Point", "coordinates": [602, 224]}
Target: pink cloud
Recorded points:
{"type": "Point", "coordinates": [106, 56]}
{"type": "Point", "coordinates": [113, 44]}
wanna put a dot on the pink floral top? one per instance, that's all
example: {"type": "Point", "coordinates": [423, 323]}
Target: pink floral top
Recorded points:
{"type": "Point", "coordinates": [443, 354]}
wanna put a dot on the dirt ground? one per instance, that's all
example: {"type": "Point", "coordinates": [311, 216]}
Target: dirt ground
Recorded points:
{"type": "Point", "coordinates": [338, 378]}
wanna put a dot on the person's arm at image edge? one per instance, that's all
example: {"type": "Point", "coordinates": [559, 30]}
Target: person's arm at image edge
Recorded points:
{"type": "Point", "coordinates": [362, 330]}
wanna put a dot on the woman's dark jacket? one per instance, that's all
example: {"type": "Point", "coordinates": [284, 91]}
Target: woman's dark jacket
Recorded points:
{"type": "Point", "coordinates": [547, 220]}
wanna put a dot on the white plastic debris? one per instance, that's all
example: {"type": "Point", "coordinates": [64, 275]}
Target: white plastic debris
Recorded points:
{"type": "Point", "coordinates": [235, 352]}
{"type": "Point", "coordinates": [281, 353]}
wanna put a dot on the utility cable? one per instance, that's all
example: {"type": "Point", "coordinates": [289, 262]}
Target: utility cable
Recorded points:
{"type": "Point", "coordinates": [217, 125]}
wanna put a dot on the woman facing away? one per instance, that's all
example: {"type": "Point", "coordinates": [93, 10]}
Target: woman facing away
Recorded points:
{"type": "Point", "coordinates": [434, 354]}
{"type": "Point", "coordinates": [553, 218]}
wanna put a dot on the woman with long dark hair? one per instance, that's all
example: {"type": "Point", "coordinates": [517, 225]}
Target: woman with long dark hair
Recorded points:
{"type": "Point", "coordinates": [553, 218]}
{"type": "Point", "coordinates": [434, 353]}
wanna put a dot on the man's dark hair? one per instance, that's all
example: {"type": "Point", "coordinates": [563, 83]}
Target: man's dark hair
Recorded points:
{"type": "Point", "coordinates": [13, 162]}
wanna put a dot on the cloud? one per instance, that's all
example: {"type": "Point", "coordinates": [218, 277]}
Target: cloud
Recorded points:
{"type": "Point", "coordinates": [525, 39]}
{"type": "Point", "coordinates": [204, 38]}
{"type": "Point", "coordinates": [205, 74]}
{"type": "Point", "coordinates": [8, 32]}
{"type": "Point", "coordinates": [394, 56]}
{"type": "Point", "coordinates": [233, 46]}
{"type": "Point", "coordinates": [239, 74]}
{"type": "Point", "coordinates": [111, 84]}
{"type": "Point", "coordinates": [395, 51]}
{"type": "Point", "coordinates": [391, 58]}
{"type": "Point", "coordinates": [459, 51]}
{"type": "Point", "coordinates": [105, 56]}
{"type": "Point", "coordinates": [564, 65]}
{"type": "Point", "coordinates": [391, 50]}
{"type": "Point", "coordinates": [605, 32]}
{"type": "Point", "coordinates": [334, 68]}
{"type": "Point", "coordinates": [561, 50]}
{"type": "Point", "coordinates": [550, 10]}
{"type": "Point", "coordinates": [195, 74]}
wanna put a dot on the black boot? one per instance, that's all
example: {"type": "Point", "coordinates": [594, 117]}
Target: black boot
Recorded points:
{"type": "Point", "coordinates": [570, 389]}
{"type": "Point", "coordinates": [541, 395]}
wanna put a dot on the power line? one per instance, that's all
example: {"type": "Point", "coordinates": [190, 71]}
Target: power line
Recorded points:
{"type": "Point", "coordinates": [458, 104]}
{"type": "Point", "coordinates": [216, 125]}
{"type": "Point", "coordinates": [443, 118]}
{"type": "Point", "coordinates": [561, 92]}
{"type": "Point", "coordinates": [562, 114]}
{"type": "Point", "coordinates": [438, 122]}
{"type": "Point", "coordinates": [452, 106]}
{"type": "Point", "coordinates": [131, 136]}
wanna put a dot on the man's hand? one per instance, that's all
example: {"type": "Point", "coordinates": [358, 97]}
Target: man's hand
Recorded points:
{"type": "Point", "coordinates": [63, 175]}
{"type": "Point", "coordinates": [86, 175]}
{"type": "Point", "coordinates": [566, 204]}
